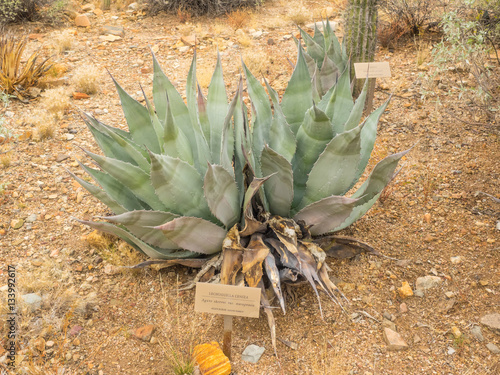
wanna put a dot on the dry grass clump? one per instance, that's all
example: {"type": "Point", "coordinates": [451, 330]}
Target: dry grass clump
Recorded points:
{"type": "Point", "coordinates": [44, 124]}
{"type": "Point", "coordinates": [258, 62]}
{"type": "Point", "coordinates": [238, 19]}
{"type": "Point", "coordinates": [86, 79]}
{"type": "Point", "coordinates": [204, 75]}
{"type": "Point", "coordinates": [299, 15]}
{"type": "Point", "coordinates": [63, 41]}
{"type": "Point", "coordinates": [56, 101]}
{"type": "Point", "coordinates": [36, 325]}
{"type": "Point", "coordinates": [112, 250]}
{"type": "Point", "coordinates": [244, 40]}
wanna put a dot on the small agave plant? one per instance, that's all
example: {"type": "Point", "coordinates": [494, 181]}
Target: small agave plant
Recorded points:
{"type": "Point", "coordinates": [326, 58]}
{"type": "Point", "coordinates": [251, 203]}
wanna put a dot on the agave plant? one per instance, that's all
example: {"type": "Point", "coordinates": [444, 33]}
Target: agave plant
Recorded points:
{"type": "Point", "coordinates": [250, 203]}
{"type": "Point", "coordinates": [15, 79]}
{"type": "Point", "coordinates": [326, 58]}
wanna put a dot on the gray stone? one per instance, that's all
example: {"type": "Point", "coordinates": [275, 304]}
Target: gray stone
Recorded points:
{"type": "Point", "coordinates": [492, 321]}
{"type": "Point", "coordinates": [428, 282]}
{"type": "Point", "coordinates": [114, 30]}
{"type": "Point", "coordinates": [394, 340]}
{"type": "Point", "coordinates": [493, 348]}
{"type": "Point", "coordinates": [31, 218]}
{"type": "Point", "coordinates": [419, 293]}
{"type": "Point", "coordinates": [476, 332]}
{"type": "Point", "coordinates": [252, 353]}
{"type": "Point", "coordinates": [34, 301]}
{"type": "Point", "coordinates": [451, 351]}
{"type": "Point", "coordinates": [387, 323]}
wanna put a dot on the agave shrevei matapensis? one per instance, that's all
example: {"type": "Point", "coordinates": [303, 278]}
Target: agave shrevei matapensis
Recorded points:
{"type": "Point", "coordinates": [250, 203]}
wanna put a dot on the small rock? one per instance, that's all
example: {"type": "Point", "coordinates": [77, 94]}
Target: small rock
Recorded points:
{"type": "Point", "coordinates": [387, 323]}
{"type": "Point", "coordinates": [80, 95]}
{"type": "Point", "coordinates": [62, 157]}
{"type": "Point", "coordinates": [79, 196]}
{"type": "Point", "coordinates": [133, 6]}
{"type": "Point", "coordinates": [82, 21]}
{"type": "Point", "coordinates": [34, 301]}
{"type": "Point", "coordinates": [189, 40]}
{"type": "Point", "coordinates": [88, 7]}
{"type": "Point", "coordinates": [428, 282]}
{"type": "Point", "coordinates": [419, 293]}
{"type": "Point", "coordinates": [403, 308]}
{"type": "Point", "coordinates": [16, 223]}
{"type": "Point", "coordinates": [492, 321]}
{"type": "Point", "coordinates": [394, 340]}
{"type": "Point", "coordinates": [76, 342]}
{"type": "Point", "coordinates": [456, 332]}
{"type": "Point", "coordinates": [403, 263]}
{"type": "Point", "coordinates": [451, 351]}
{"type": "Point", "coordinates": [70, 137]}
{"type": "Point", "coordinates": [114, 30]}
{"type": "Point", "coordinates": [153, 340]}
{"type": "Point", "coordinates": [68, 356]}
{"type": "Point", "coordinates": [75, 330]}
{"type": "Point", "coordinates": [271, 42]}
{"type": "Point", "coordinates": [110, 38]}
{"type": "Point", "coordinates": [456, 260]}
{"type": "Point", "coordinates": [144, 333]}
{"type": "Point", "coordinates": [49, 344]}
{"type": "Point", "coordinates": [493, 348]}
{"type": "Point", "coordinates": [387, 315]}
{"type": "Point", "coordinates": [252, 353]}
{"type": "Point", "coordinates": [476, 332]}
{"type": "Point", "coordinates": [416, 339]}
{"type": "Point", "coordinates": [257, 34]}
{"type": "Point", "coordinates": [449, 295]}
{"type": "Point", "coordinates": [40, 344]}
{"type": "Point", "coordinates": [405, 290]}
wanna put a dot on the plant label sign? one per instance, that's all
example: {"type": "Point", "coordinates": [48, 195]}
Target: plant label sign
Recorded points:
{"type": "Point", "coordinates": [227, 300]}
{"type": "Point", "coordinates": [372, 70]}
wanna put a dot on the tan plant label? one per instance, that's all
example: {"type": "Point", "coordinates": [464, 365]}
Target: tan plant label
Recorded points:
{"type": "Point", "coordinates": [372, 70]}
{"type": "Point", "coordinates": [227, 300]}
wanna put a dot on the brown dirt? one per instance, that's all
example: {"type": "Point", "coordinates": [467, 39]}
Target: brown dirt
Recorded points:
{"type": "Point", "coordinates": [429, 214]}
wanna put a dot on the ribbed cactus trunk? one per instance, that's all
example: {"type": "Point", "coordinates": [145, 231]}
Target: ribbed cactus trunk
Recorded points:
{"type": "Point", "coordinates": [106, 4]}
{"type": "Point", "coordinates": [361, 40]}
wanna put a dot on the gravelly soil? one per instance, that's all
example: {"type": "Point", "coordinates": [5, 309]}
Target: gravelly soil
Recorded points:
{"type": "Point", "coordinates": [430, 213]}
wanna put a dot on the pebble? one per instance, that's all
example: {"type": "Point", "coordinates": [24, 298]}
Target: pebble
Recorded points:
{"type": "Point", "coordinates": [456, 260]}
{"type": "Point", "coordinates": [70, 137]}
{"type": "Point", "coordinates": [31, 218]}
{"type": "Point", "coordinates": [451, 351]}
{"type": "Point", "coordinates": [428, 282]}
{"type": "Point", "coordinates": [114, 30]}
{"type": "Point", "coordinates": [17, 223]}
{"type": "Point", "coordinates": [144, 333]}
{"type": "Point", "coordinates": [449, 294]}
{"type": "Point", "coordinates": [493, 348]}
{"type": "Point", "coordinates": [389, 324]}
{"type": "Point", "coordinates": [403, 308]}
{"type": "Point", "coordinates": [456, 332]}
{"type": "Point", "coordinates": [405, 290]}
{"type": "Point", "coordinates": [252, 353]}
{"type": "Point", "coordinates": [34, 301]}
{"type": "Point", "coordinates": [61, 157]}
{"type": "Point", "coordinates": [416, 339]}
{"type": "Point", "coordinates": [75, 330]}
{"type": "Point", "coordinates": [82, 21]}
{"type": "Point", "coordinates": [476, 332]}
{"type": "Point", "coordinates": [394, 340]}
{"type": "Point", "coordinates": [49, 344]}
{"type": "Point", "coordinates": [492, 321]}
